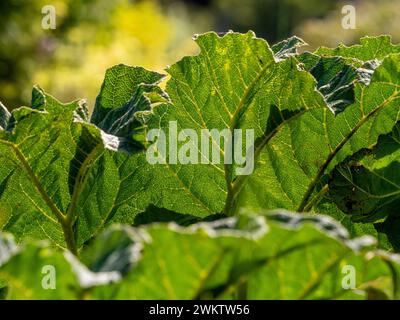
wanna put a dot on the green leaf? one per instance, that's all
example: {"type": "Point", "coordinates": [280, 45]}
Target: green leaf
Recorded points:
{"type": "Point", "coordinates": [336, 78]}
{"type": "Point", "coordinates": [288, 47]}
{"type": "Point", "coordinates": [279, 255]}
{"type": "Point", "coordinates": [45, 159]}
{"type": "Point", "coordinates": [206, 93]}
{"type": "Point", "coordinates": [112, 251]}
{"type": "Point", "coordinates": [370, 48]}
{"type": "Point", "coordinates": [239, 85]}
{"type": "Point", "coordinates": [355, 228]}
{"type": "Point", "coordinates": [388, 236]}
{"type": "Point", "coordinates": [64, 179]}
{"type": "Point", "coordinates": [126, 98]}
{"type": "Point", "coordinates": [368, 185]}
{"type": "Point", "coordinates": [73, 178]}
{"type": "Point", "coordinates": [326, 139]}
{"type": "Point", "coordinates": [37, 271]}
{"type": "Point", "coordinates": [292, 165]}
{"type": "Point", "coordinates": [277, 118]}
{"type": "Point", "coordinates": [235, 82]}
{"type": "Point", "coordinates": [118, 92]}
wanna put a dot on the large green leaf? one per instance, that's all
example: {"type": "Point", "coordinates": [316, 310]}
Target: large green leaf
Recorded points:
{"type": "Point", "coordinates": [299, 140]}
{"type": "Point", "coordinates": [280, 255]}
{"type": "Point", "coordinates": [293, 164]}
{"type": "Point", "coordinates": [58, 178]}
{"type": "Point", "coordinates": [364, 192]}
{"type": "Point", "coordinates": [235, 82]}
{"type": "Point", "coordinates": [368, 185]}
{"type": "Point", "coordinates": [37, 271]}
{"type": "Point", "coordinates": [239, 84]}
{"type": "Point", "coordinates": [66, 178]}
{"type": "Point", "coordinates": [41, 160]}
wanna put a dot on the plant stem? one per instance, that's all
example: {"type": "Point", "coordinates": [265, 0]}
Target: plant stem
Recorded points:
{"type": "Point", "coordinates": [229, 203]}
{"type": "Point", "coordinates": [316, 199]}
{"type": "Point", "coordinates": [69, 237]}
{"type": "Point", "coordinates": [233, 191]}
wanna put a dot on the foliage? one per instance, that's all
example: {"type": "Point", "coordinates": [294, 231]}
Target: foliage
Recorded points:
{"type": "Point", "coordinates": [243, 257]}
{"type": "Point", "coordinates": [326, 126]}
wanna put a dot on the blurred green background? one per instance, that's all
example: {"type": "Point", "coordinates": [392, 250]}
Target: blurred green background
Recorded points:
{"type": "Point", "coordinates": [92, 35]}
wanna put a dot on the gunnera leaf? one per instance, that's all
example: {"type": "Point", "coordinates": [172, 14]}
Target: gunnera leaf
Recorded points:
{"type": "Point", "coordinates": [279, 255]}
{"type": "Point", "coordinates": [65, 178]}
{"type": "Point", "coordinates": [368, 185]}
{"type": "Point", "coordinates": [292, 165]}
{"type": "Point", "coordinates": [370, 48]}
